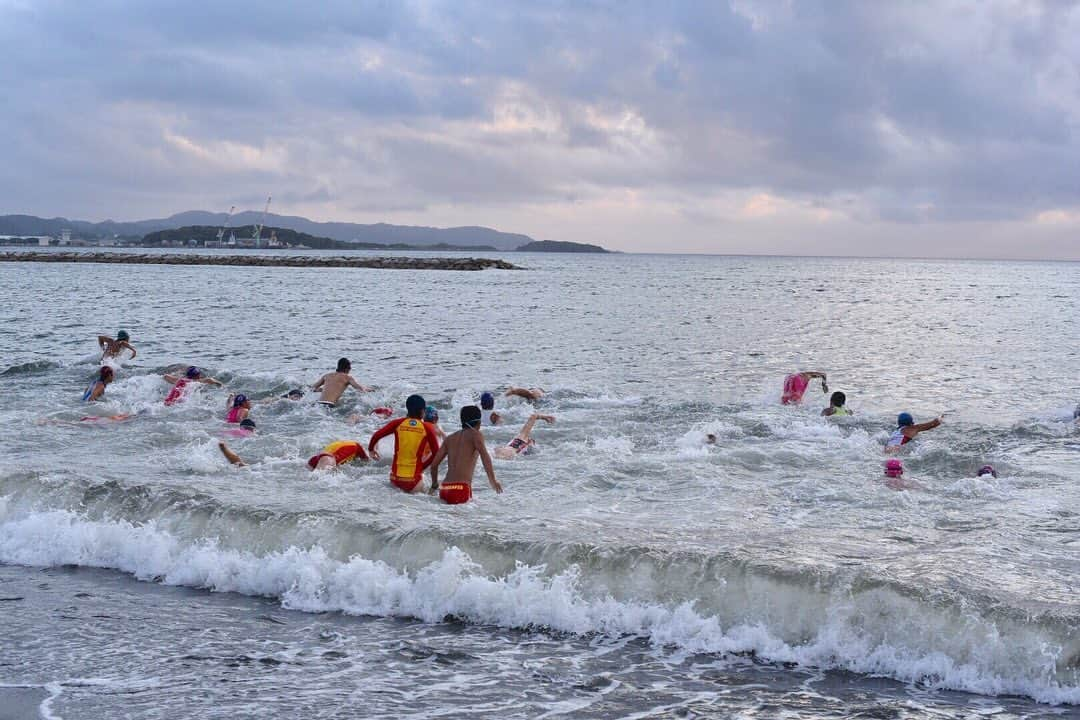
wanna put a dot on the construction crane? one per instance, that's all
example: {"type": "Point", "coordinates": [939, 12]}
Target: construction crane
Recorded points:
{"type": "Point", "coordinates": [258, 228]}
{"type": "Point", "coordinates": [221, 232]}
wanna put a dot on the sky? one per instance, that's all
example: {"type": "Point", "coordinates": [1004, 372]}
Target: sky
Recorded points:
{"type": "Point", "coordinates": [924, 129]}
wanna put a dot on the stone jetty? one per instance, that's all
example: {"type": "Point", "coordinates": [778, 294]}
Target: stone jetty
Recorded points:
{"type": "Point", "coordinates": [338, 261]}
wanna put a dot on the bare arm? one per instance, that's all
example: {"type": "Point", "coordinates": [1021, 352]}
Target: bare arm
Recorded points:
{"type": "Point", "coordinates": [319, 383]}
{"type": "Point", "coordinates": [926, 425]}
{"type": "Point", "coordinates": [209, 381]}
{"type": "Point", "coordinates": [435, 462]}
{"type": "Point", "coordinates": [230, 455]}
{"type": "Point", "coordinates": [357, 386]}
{"type": "Point", "coordinates": [173, 379]}
{"type": "Point", "coordinates": [130, 347]}
{"type": "Point", "coordinates": [485, 459]}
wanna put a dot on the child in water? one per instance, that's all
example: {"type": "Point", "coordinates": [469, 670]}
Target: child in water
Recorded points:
{"type": "Point", "coordinates": [836, 406]}
{"type": "Point", "coordinates": [238, 408]}
{"type": "Point", "coordinates": [97, 388]}
{"type": "Point", "coordinates": [111, 348]}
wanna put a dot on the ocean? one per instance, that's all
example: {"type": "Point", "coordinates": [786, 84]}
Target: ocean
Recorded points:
{"type": "Point", "coordinates": [631, 568]}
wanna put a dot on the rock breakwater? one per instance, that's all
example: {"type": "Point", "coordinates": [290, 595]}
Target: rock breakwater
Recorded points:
{"type": "Point", "coordinates": [338, 261]}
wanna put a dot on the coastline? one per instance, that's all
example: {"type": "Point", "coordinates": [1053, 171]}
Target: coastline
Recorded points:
{"type": "Point", "coordinates": [386, 263]}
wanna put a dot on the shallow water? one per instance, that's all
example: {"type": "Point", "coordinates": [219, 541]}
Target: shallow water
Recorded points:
{"type": "Point", "coordinates": [770, 574]}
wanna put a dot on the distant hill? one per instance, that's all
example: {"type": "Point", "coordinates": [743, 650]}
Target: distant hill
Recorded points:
{"type": "Point", "coordinates": [203, 234]}
{"type": "Point", "coordinates": [560, 246]}
{"type": "Point", "coordinates": [378, 235]}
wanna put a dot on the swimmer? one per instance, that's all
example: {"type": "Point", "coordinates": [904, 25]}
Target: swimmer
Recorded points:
{"type": "Point", "coordinates": [530, 394]}
{"type": "Point", "coordinates": [96, 389]}
{"type": "Point", "coordinates": [488, 416]}
{"type": "Point", "coordinates": [522, 444]}
{"type": "Point", "coordinates": [837, 408]}
{"type": "Point", "coordinates": [246, 429]}
{"type": "Point", "coordinates": [906, 431]}
{"type": "Point", "coordinates": [894, 471]}
{"type": "Point", "coordinates": [795, 386]}
{"type": "Point", "coordinates": [431, 416]}
{"type": "Point", "coordinates": [238, 407]}
{"type": "Point", "coordinates": [336, 454]}
{"type": "Point", "coordinates": [333, 384]}
{"type": "Point", "coordinates": [413, 439]}
{"type": "Point", "coordinates": [461, 450]}
{"type": "Point", "coordinates": [180, 384]}
{"type": "Point", "coordinates": [710, 438]}
{"type": "Point", "coordinates": [986, 470]}
{"type": "Point", "coordinates": [112, 348]}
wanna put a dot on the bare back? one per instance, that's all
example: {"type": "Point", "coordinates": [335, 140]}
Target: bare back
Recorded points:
{"type": "Point", "coordinates": [333, 386]}
{"type": "Point", "coordinates": [462, 449]}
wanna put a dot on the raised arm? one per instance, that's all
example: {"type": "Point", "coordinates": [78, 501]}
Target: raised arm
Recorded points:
{"type": "Point", "coordinates": [930, 425]}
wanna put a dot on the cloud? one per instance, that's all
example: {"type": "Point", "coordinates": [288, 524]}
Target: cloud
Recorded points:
{"type": "Point", "coordinates": [887, 117]}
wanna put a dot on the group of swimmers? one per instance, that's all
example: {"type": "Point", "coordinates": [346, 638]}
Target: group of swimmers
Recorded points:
{"type": "Point", "coordinates": [419, 441]}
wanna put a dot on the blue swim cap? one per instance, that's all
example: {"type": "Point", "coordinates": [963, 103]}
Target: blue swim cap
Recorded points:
{"type": "Point", "coordinates": [431, 414]}
{"type": "Point", "coordinates": [122, 335]}
{"type": "Point", "coordinates": [905, 419]}
{"type": "Point", "coordinates": [193, 373]}
{"type": "Point", "coordinates": [487, 400]}
{"type": "Point", "coordinates": [415, 404]}
{"type": "Point", "coordinates": [239, 400]}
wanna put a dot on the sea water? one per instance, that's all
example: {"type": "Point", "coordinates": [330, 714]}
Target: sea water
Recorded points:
{"type": "Point", "coordinates": [630, 568]}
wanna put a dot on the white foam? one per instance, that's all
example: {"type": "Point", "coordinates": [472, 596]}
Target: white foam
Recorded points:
{"type": "Point", "coordinates": [876, 631]}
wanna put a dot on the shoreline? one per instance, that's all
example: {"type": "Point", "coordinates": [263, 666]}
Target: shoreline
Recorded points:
{"type": "Point", "coordinates": [339, 261]}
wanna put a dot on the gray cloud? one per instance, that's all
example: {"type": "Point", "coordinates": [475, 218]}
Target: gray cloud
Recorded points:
{"type": "Point", "coordinates": [883, 115]}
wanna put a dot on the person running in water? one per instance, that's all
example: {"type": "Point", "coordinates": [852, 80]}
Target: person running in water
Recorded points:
{"type": "Point", "coordinates": [333, 384]}
{"type": "Point", "coordinates": [96, 389]}
{"type": "Point", "coordinates": [180, 384]}
{"type": "Point", "coordinates": [238, 407]}
{"type": "Point", "coordinates": [413, 439]}
{"type": "Point", "coordinates": [795, 386]}
{"type": "Point", "coordinates": [111, 348]}
{"type": "Point", "coordinates": [461, 450]}
{"type": "Point", "coordinates": [906, 431]}
{"type": "Point", "coordinates": [837, 408]}
{"type": "Point", "coordinates": [522, 444]}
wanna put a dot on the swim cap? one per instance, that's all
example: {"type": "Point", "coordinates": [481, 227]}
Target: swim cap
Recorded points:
{"type": "Point", "coordinates": [470, 416]}
{"type": "Point", "coordinates": [247, 423]}
{"type": "Point", "coordinates": [905, 419]}
{"type": "Point", "coordinates": [382, 411]}
{"type": "Point", "coordinates": [193, 373]}
{"type": "Point", "coordinates": [487, 400]}
{"type": "Point", "coordinates": [987, 470]}
{"type": "Point", "coordinates": [431, 414]}
{"type": "Point", "coordinates": [122, 335]}
{"type": "Point", "coordinates": [294, 393]}
{"type": "Point", "coordinates": [239, 400]}
{"type": "Point", "coordinates": [415, 404]}
{"type": "Point", "coordinates": [894, 468]}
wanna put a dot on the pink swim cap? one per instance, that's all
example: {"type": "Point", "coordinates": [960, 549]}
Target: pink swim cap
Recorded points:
{"type": "Point", "coordinates": [894, 468]}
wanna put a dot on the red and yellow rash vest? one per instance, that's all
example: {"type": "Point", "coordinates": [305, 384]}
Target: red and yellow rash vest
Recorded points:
{"type": "Point", "coordinates": [342, 451]}
{"type": "Point", "coordinates": [412, 440]}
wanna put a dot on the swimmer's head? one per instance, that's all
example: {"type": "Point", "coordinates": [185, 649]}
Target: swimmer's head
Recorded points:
{"type": "Point", "coordinates": [904, 419]}
{"type": "Point", "coordinates": [487, 400]}
{"type": "Point", "coordinates": [837, 399]}
{"type": "Point", "coordinates": [431, 415]}
{"type": "Point", "coordinates": [987, 470]}
{"type": "Point", "coordinates": [343, 365]}
{"type": "Point", "coordinates": [294, 394]}
{"type": "Point", "coordinates": [894, 468]}
{"type": "Point", "coordinates": [710, 438]}
{"type": "Point", "coordinates": [414, 406]}
{"type": "Point", "coordinates": [193, 373]}
{"type": "Point", "coordinates": [122, 335]}
{"type": "Point", "coordinates": [247, 424]}
{"type": "Point", "coordinates": [106, 374]}
{"type": "Point", "coordinates": [470, 416]}
{"type": "Point", "coordinates": [239, 400]}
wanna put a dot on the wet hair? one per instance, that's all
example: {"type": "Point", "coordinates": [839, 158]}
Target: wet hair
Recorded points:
{"type": "Point", "coordinates": [247, 423]}
{"type": "Point", "coordinates": [343, 365]}
{"type": "Point", "coordinates": [414, 406]}
{"type": "Point", "coordinates": [294, 393]}
{"type": "Point", "coordinates": [470, 416]}
{"type": "Point", "coordinates": [837, 399]}
{"type": "Point", "coordinates": [487, 400]}
{"type": "Point", "coordinates": [106, 374]}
